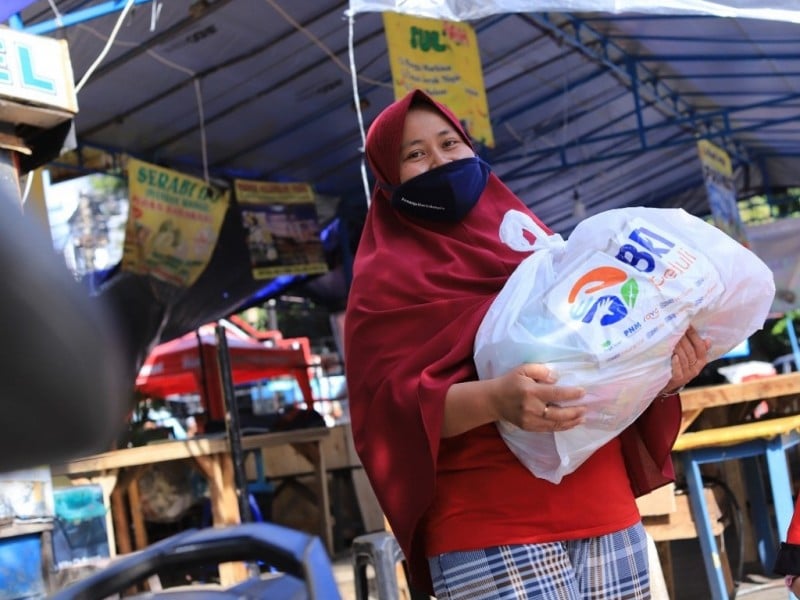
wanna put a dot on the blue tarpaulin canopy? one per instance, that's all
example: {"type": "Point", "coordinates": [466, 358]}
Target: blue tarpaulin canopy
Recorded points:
{"type": "Point", "coordinates": [589, 109]}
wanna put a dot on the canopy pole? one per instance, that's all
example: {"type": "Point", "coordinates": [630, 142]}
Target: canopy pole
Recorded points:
{"type": "Point", "coordinates": [232, 424]}
{"type": "Point", "coordinates": [793, 341]}
{"type": "Point", "coordinates": [203, 371]}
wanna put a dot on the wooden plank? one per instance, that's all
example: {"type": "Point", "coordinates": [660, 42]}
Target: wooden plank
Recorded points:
{"type": "Point", "coordinates": [658, 502]}
{"type": "Point", "coordinates": [181, 449]}
{"type": "Point", "coordinates": [224, 507]}
{"type": "Point", "coordinates": [280, 438]}
{"type": "Point", "coordinates": [775, 386]}
{"type": "Point", "coordinates": [119, 513]}
{"type": "Point", "coordinates": [16, 529]}
{"type": "Point", "coordinates": [371, 512]}
{"type": "Point", "coordinates": [284, 461]}
{"type": "Point", "coordinates": [139, 528]}
{"type": "Point", "coordinates": [735, 434]}
{"type": "Point", "coordinates": [679, 525]}
{"type": "Point", "coordinates": [142, 455]}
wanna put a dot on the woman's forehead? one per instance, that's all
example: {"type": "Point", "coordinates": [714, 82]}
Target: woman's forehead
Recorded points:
{"type": "Point", "coordinates": [420, 117]}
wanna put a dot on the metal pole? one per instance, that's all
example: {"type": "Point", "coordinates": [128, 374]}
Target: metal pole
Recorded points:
{"type": "Point", "coordinates": [232, 424]}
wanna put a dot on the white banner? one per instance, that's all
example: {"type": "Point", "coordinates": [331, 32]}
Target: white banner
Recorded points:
{"type": "Point", "coordinates": [464, 10]}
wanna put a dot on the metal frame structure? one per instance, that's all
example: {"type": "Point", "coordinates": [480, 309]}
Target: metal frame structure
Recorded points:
{"type": "Point", "coordinates": [603, 107]}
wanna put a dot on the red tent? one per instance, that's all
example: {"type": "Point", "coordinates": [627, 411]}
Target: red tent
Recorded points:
{"type": "Point", "coordinates": [190, 364]}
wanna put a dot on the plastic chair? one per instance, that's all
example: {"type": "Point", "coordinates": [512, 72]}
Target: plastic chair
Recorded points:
{"type": "Point", "coordinates": [381, 550]}
{"type": "Point", "coordinates": [785, 363]}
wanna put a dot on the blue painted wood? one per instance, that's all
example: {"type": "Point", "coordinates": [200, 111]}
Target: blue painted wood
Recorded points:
{"type": "Point", "coordinates": [773, 451]}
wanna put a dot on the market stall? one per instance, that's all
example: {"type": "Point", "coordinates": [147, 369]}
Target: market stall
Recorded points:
{"type": "Point", "coordinates": [189, 364]}
{"type": "Point", "coordinates": [116, 472]}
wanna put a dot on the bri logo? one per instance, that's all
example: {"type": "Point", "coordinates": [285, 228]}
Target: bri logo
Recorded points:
{"type": "Point", "coordinates": [618, 292]}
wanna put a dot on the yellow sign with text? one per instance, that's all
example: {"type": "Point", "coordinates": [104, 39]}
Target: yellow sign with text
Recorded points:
{"type": "Point", "coordinates": [721, 190]}
{"type": "Point", "coordinates": [173, 224]}
{"type": "Point", "coordinates": [441, 58]}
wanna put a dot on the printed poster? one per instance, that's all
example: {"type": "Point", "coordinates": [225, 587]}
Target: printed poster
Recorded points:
{"type": "Point", "coordinates": [721, 190]}
{"type": "Point", "coordinates": [442, 58]}
{"type": "Point", "coordinates": [173, 224]}
{"type": "Point", "coordinates": [280, 221]}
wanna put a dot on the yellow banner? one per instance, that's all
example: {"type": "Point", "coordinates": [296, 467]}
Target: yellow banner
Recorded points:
{"type": "Point", "coordinates": [721, 190]}
{"type": "Point", "coordinates": [441, 58]}
{"type": "Point", "coordinates": [280, 220]}
{"type": "Point", "coordinates": [173, 224]}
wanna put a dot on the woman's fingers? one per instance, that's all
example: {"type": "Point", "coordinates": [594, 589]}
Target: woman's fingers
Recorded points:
{"type": "Point", "coordinates": [688, 358]}
{"type": "Point", "coordinates": [563, 417]}
{"type": "Point", "coordinates": [552, 417]}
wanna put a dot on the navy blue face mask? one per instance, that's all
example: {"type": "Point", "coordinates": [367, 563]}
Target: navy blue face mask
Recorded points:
{"type": "Point", "coordinates": [444, 194]}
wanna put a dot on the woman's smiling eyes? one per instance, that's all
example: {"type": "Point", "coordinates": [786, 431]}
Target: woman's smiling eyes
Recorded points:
{"type": "Point", "coordinates": [448, 144]}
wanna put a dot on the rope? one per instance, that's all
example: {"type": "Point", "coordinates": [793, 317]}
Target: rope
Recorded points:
{"type": "Point", "coordinates": [357, 102]}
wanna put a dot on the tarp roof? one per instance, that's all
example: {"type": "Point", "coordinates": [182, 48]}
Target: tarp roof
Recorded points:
{"type": "Point", "coordinates": [600, 106]}
{"type": "Point", "coordinates": [605, 105]}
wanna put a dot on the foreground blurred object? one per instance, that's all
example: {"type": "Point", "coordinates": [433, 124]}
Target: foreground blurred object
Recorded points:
{"type": "Point", "coordinates": [64, 387]}
{"type": "Point", "coordinates": [297, 564]}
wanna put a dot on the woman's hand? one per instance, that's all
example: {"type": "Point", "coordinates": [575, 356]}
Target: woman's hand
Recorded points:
{"type": "Point", "coordinates": [525, 396]}
{"type": "Point", "coordinates": [688, 359]}
{"type": "Point", "coordinates": [528, 397]}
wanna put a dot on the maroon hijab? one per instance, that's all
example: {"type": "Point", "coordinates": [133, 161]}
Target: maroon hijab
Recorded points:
{"type": "Point", "coordinates": [419, 293]}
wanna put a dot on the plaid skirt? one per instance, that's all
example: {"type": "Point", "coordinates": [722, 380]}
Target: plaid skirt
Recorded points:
{"type": "Point", "coordinates": [608, 567]}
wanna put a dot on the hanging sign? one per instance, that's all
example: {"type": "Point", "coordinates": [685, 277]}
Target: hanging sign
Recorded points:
{"type": "Point", "coordinates": [173, 224]}
{"type": "Point", "coordinates": [280, 221]}
{"type": "Point", "coordinates": [36, 81]}
{"type": "Point", "coordinates": [721, 190]}
{"type": "Point", "coordinates": [441, 58]}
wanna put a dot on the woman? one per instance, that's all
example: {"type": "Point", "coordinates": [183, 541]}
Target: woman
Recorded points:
{"type": "Point", "coordinates": [788, 560]}
{"type": "Point", "coordinates": [471, 519]}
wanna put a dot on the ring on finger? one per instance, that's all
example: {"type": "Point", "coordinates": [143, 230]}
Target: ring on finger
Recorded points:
{"type": "Point", "coordinates": [544, 412]}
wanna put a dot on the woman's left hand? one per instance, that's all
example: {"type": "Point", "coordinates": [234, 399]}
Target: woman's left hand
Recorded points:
{"type": "Point", "coordinates": [688, 359]}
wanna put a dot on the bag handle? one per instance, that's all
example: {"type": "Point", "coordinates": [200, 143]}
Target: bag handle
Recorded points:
{"type": "Point", "coordinates": [516, 223]}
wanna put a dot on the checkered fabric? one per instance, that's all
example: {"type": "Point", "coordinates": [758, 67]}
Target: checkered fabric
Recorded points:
{"type": "Point", "coordinates": [609, 567]}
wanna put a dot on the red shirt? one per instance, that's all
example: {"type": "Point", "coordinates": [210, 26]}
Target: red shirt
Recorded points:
{"type": "Point", "coordinates": [509, 505]}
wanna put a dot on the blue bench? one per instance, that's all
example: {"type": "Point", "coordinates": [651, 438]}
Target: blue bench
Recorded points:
{"type": "Point", "coordinates": [748, 442]}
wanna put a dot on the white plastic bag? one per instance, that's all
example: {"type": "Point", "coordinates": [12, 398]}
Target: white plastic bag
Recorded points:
{"type": "Point", "coordinates": [606, 308]}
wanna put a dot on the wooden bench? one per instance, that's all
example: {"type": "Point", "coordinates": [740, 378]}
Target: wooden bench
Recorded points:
{"type": "Point", "coordinates": [769, 438]}
{"type": "Point", "coordinates": [677, 523]}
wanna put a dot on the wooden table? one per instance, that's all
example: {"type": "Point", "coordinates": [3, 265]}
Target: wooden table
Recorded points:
{"type": "Point", "coordinates": [768, 438]}
{"type": "Point", "coordinates": [695, 400]}
{"type": "Point", "coordinates": [117, 471]}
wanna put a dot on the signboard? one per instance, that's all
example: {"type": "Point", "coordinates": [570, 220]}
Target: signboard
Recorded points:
{"type": "Point", "coordinates": [441, 58]}
{"type": "Point", "coordinates": [36, 80]}
{"type": "Point", "coordinates": [721, 190]}
{"type": "Point", "coordinates": [173, 224]}
{"type": "Point", "coordinates": [280, 220]}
